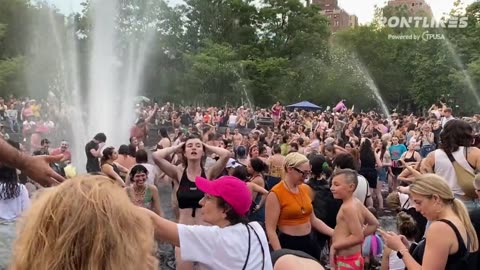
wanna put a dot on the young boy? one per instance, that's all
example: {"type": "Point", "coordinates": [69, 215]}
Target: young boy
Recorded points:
{"type": "Point", "coordinates": [346, 249]}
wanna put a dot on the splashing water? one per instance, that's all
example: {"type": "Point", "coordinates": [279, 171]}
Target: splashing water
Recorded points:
{"type": "Point", "coordinates": [363, 72]}
{"type": "Point", "coordinates": [118, 52]}
{"type": "Point", "coordinates": [460, 65]}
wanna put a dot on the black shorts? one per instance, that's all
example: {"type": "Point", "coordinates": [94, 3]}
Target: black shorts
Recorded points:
{"type": "Point", "coordinates": [306, 243]}
{"type": "Point", "coordinates": [371, 175]}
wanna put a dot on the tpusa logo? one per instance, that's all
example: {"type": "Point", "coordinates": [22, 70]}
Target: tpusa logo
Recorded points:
{"type": "Point", "coordinates": [425, 36]}
{"type": "Point", "coordinates": [424, 22]}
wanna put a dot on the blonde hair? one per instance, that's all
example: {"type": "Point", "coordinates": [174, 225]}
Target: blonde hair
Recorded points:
{"type": "Point", "coordinates": [294, 159]}
{"type": "Point", "coordinates": [86, 223]}
{"type": "Point", "coordinates": [430, 184]}
{"type": "Point", "coordinates": [393, 201]}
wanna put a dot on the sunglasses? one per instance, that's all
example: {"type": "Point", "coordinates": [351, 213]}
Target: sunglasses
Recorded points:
{"type": "Point", "coordinates": [303, 173]}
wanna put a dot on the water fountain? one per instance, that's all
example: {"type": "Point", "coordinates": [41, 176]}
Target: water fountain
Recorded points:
{"type": "Point", "coordinates": [118, 50]}
{"type": "Point", "coordinates": [363, 72]}
{"type": "Point", "coordinates": [468, 79]}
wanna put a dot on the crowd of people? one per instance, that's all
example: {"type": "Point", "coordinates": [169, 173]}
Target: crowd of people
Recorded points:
{"type": "Point", "coordinates": [304, 189]}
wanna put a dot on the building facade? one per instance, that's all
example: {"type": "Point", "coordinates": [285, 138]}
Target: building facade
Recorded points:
{"type": "Point", "coordinates": [339, 18]}
{"type": "Point", "coordinates": [414, 6]}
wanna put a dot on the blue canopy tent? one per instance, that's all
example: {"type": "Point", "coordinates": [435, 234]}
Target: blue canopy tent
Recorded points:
{"type": "Point", "coordinates": [304, 105]}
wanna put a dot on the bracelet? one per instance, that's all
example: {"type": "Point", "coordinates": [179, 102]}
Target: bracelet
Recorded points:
{"type": "Point", "coordinates": [400, 253]}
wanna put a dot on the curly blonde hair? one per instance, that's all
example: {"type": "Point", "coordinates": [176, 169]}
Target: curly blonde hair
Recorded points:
{"type": "Point", "coordinates": [86, 223]}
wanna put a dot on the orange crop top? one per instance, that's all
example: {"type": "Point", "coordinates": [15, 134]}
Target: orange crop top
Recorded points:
{"type": "Point", "coordinates": [291, 204]}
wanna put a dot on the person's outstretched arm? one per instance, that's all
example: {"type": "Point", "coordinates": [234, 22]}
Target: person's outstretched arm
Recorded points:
{"type": "Point", "coordinates": [35, 167]}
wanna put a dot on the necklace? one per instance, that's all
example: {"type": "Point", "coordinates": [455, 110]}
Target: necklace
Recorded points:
{"type": "Point", "coordinates": [302, 209]}
{"type": "Point", "coordinates": [139, 195]}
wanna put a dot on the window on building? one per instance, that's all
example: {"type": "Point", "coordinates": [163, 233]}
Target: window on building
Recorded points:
{"type": "Point", "coordinates": [337, 23]}
{"type": "Point", "coordinates": [413, 4]}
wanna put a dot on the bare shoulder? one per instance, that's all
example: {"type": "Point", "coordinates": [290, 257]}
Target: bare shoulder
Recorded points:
{"type": "Point", "coordinates": [439, 228]}
{"type": "Point", "coordinates": [474, 151]}
{"type": "Point", "coordinates": [153, 188]}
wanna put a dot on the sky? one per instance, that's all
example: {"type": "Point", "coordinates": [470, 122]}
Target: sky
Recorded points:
{"type": "Point", "coordinates": [364, 9]}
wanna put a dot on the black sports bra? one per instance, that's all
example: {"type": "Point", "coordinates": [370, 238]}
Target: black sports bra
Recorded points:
{"type": "Point", "coordinates": [188, 195]}
{"type": "Point", "coordinates": [411, 158]}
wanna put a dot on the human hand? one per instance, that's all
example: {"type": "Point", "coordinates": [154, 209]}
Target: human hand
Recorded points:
{"type": "Point", "coordinates": [332, 258]}
{"type": "Point", "coordinates": [38, 168]}
{"type": "Point", "coordinates": [393, 241]}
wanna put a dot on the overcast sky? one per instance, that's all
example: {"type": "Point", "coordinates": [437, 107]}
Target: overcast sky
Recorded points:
{"type": "Point", "coordinates": [364, 9]}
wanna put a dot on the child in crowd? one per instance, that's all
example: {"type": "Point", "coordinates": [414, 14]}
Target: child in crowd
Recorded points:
{"type": "Point", "coordinates": [354, 222]}
{"type": "Point", "coordinates": [407, 227]}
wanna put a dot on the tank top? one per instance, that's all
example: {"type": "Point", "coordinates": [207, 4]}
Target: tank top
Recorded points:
{"type": "Point", "coordinates": [188, 195]}
{"type": "Point", "coordinates": [411, 158]}
{"type": "Point", "coordinates": [444, 168]}
{"type": "Point", "coordinates": [147, 199]}
{"type": "Point", "coordinates": [295, 208]}
{"type": "Point", "coordinates": [395, 263]}
{"type": "Point", "coordinates": [455, 261]}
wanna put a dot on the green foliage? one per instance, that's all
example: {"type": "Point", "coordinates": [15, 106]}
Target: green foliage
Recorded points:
{"type": "Point", "coordinates": [212, 52]}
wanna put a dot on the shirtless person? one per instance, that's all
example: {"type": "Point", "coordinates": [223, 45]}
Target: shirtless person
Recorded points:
{"type": "Point", "coordinates": [237, 138]}
{"type": "Point", "coordinates": [346, 249]}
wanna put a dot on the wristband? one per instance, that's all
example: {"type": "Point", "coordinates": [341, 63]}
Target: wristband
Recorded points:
{"type": "Point", "coordinates": [400, 253]}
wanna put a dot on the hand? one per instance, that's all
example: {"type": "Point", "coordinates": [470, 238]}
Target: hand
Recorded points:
{"type": "Point", "coordinates": [404, 190]}
{"type": "Point", "coordinates": [393, 241]}
{"type": "Point", "coordinates": [332, 258]}
{"type": "Point", "coordinates": [179, 146]}
{"type": "Point", "coordinates": [38, 169]}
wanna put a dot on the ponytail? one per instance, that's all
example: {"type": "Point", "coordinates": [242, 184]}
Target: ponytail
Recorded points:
{"type": "Point", "coordinates": [461, 211]}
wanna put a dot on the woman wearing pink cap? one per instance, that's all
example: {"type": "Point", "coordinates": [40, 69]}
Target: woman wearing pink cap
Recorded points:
{"type": "Point", "coordinates": [232, 242]}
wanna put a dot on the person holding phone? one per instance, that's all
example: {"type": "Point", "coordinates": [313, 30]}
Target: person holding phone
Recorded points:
{"type": "Point", "coordinates": [457, 248]}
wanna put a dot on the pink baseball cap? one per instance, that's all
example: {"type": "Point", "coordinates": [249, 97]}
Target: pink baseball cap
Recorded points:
{"type": "Point", "coordinates": [231, 189]}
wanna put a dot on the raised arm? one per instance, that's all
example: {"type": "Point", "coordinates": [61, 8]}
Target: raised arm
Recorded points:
{"type": "Point", "coordinates": [37, 167]}
{"type": "Point", "coordinates": [220, 164]}
{"type": "Point", "coordinates": [428, 163]}
{"type": "Point", "coordinates": [160, 158]}
{"type": "Point", "coordinates": [98, 152]}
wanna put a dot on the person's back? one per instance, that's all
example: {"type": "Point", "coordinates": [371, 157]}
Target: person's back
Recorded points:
{"type": "Point", "coordinates": [12, 205]}
{"type": "Point", "coordinates": [361, 192]}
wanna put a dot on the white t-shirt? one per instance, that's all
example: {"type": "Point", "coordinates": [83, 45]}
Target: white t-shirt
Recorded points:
{"type": "Point", "coordinates": [216, 248]}
{"type": "Point", "coordinates": [152, 173]}
{"type": "Point", "coordinates": [12, 208]}
{"type": "Point", "coordinates": [361, 192]}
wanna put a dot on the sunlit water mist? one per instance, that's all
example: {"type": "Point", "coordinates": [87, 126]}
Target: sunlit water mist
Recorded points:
{"type": "Point", "coordinates": [363, 72]}
{"type": "Point", "coordinates": [460, 65]}
{"type": "Point", "coordinates": [117, 56]}
{"type": "Point", "coordinates": [243, 87]}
